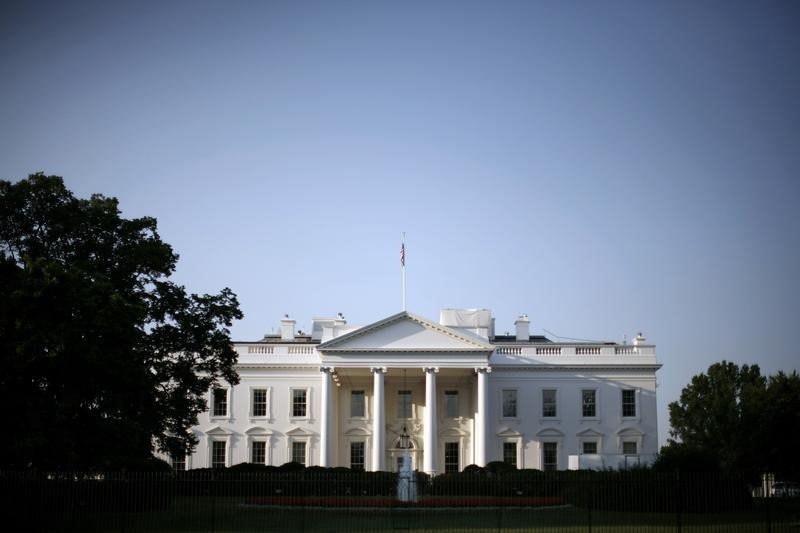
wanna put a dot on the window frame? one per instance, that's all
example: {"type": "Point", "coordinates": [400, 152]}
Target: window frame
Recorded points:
{"type": "Point", "coordinates": [213, 407]}
{"type": "Point", "coordinates": [307, 414]}
{"type": "Point", "coordinates": [505, 445]}
{"type": "Point", "coordinates": [354, 444]}
{"type": "Point", "coordinates": [503, 414]}
{"type": "Point", "coordinates": [401, 408]}
{"type": "Point", "coordinates": [595, 404]}
{"type": "Point", "coordinates": [635, 393]}
{"type": "Point", "coordinates": [253, 444]}
{"type": "Point", "coordinates": [304, 442]}
{"type": "Point", "coordinates": [267, 403]}
{"type": "Point", "coordinates": [628, 442]}
{"type": "Point", "coordinates": [453, 394]}
{"type": "Point", "coordinates": [363, 394]}
{"type": "Point", "coordinates": [449, 444]}
{"type": "Point", "coordinates": [554, 405]}
{"type": "Point", "coordinates": [589, 441]}
{"type": "Point", "coordinates": [212, 453]}
{"type": "Point", "coordinates": [545, 465]}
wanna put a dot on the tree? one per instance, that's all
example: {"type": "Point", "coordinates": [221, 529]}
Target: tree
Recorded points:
{"type": "Point", "coordinates": [103, 357]}
{"type": "Point", "coordinates": [735, 420]}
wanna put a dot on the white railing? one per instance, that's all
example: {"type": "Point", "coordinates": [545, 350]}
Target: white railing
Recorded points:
{"type": "Point", "coordinates": [509, 350]}
{"type": "Point", "coordinates": [300, 349]}
{"type": "Point", "coordinates": [548, 350]}
{"type": "Point", "coordinates": [626, 350]}
{"type": "Point", "coordinates": [259, 349]}
{"type": "Point", "coordinates": [587, 350]}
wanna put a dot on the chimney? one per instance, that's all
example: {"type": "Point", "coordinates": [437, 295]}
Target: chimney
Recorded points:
{"type": "Point", "coordinates": [523, 328]}
{"type": "Point", "coordinates": [287, 328]}
{"type": "Point", "coordinates": [639, 340]}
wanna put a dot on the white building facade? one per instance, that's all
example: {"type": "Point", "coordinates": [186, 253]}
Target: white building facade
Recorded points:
{"type": "Point", "coordinates": [342, 396]}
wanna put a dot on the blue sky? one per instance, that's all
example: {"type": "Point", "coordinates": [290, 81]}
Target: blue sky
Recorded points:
{"type": "Point", "coordinates": [605, 167]}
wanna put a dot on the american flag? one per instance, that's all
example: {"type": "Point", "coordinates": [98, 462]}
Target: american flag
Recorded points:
{"type": "Point", "coordinates": [403, 254]}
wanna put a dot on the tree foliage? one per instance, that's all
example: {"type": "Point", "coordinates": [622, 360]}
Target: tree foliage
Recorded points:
{"type": "Point", "coordinates": [735, 420]}
{"type": "Point", "coordinates": [103, 357]}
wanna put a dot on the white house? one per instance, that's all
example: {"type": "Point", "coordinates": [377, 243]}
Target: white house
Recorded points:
{"type": "Point", "coordinates": [341, 396]}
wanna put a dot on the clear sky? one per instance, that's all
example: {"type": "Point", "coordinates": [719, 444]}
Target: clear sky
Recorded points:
{"type": "Point", "coordinates": [604, 167]}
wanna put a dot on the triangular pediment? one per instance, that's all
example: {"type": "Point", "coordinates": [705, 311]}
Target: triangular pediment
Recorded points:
{"type": "Point", "coordinates": [405, 332]}
{"type": "Point", "coordinates": [216, 430]}
{"type": "Point", "coordinates": [589, 433]}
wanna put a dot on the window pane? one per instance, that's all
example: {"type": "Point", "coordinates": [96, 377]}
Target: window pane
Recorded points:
{"type": "Point", "coordinates": [259, 402]}
{"type": "Point", "coordinates": [404, 404]}
{"type": "Point", "coordinates": [629, 448]}
{"type": "Point", "coordinates": [451, 403]}
{"type": "Point", "coordinates": [178, 462]}
{"type": "Point", "coordinates": [510, 453]}
{"type": "Point", "coordinates": [450, 457]}
{"type": "Point", "coordinates": [220, 402]}
{"type": "Point", "coordinates": [218, 454]}
{"type": "Point", "coordinates": [589, 403]}
{"type": "Point", "coordinates": [590, 447]}
{"type": "Point", "coordinates": [357, 455]}
{"type": "Point", "coordinates": [357, 403]}
{"type": "Point", "coordinates": [509, 403]}
{"type": "Point", "coordinates": [549, 456]}
{"type": "Point", "coordinates": [299, 452]}
{"type": "Point", "coordinates": [298, 402]}
{"type": "Point", "coordinates": [259, 452]}
{"type": "Point", "coordinates": [548, 402]}
{"type": "Point", "coordinates": [628, 402]}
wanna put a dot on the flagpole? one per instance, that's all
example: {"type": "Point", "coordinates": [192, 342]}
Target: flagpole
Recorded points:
{"type": "Point", "coordinates": [403, 263]}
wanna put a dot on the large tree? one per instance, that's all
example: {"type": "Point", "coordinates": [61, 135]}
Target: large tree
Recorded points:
{"type": "Point", "coordinates": [733, 419]}
{"type": "Point", "coordinates": [102, 357]}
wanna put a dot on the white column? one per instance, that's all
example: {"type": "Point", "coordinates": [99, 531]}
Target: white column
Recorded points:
{"type": "Point", "coordinates": [378, 429]}
{"type": "Point", "coordinates": [325, 417]}
{"type": "Point", "coordinates": [430, 452]}
{"type": "Point", "coordinates": [481, 417]}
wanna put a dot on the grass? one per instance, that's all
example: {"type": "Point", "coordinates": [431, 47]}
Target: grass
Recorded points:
{"type": "Point", "coordinates": [230, 514]}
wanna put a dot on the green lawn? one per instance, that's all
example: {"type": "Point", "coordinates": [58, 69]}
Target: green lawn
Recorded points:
{"type": "Point", "coordinates": [229, 514]}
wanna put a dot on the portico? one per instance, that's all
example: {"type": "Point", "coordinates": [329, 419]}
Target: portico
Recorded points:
{"type": "Point", "coordinates": [412, 359]}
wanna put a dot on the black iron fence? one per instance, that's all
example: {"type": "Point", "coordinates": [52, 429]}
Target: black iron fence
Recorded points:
{"type": "Point", "coordinates": [339, 500]}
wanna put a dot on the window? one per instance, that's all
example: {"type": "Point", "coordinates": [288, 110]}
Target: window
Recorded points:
{"type": "Point", "coordinates": [357, 456]}
{"type": "Point", "coordinates": [629, 448]}
{"type": "Point", "coordinates": [510, 453]}
{"type": "Point", "coordinates": [219, 402]}
{"type": "Point", "coordinates": [178, 462]}
{"type": "Point", "coordinates": [357, 404]}
{"type": "Point", "coordinates": [299, 405]}
{"type": "Point", "coordinates": [450, 457]}
{"type": "Point", "coordinates": [590, 447]}
{"type": "Point", "coordinates": [299, 452]}
{"type": "Point", "coordinates": [509, 403]}
{"type": "Point", "coordinates": [404, 404]}
{"type": "Point", "coordinates": [259, 402]}
{"type": "Point", "coordinates": [589, 403]}
{"type": "Point", "coordinates": [549, 403]}
{"type": "Point", "coordinates": [218, 454]}
{"type": "Point", "coordinates": [451, 403]}
{"type": "Point", "coordinates": [549, 456]}
{"type": "Point", "coordinates": [258, 452]}
{"type": "Point", "coordinates": [628, 402]}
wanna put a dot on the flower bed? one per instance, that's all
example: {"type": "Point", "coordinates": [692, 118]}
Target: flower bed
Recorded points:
{"type": "Point", "coordinates": [438, 501]}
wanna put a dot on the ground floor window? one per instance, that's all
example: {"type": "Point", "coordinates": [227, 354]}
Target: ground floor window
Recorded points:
{"type": "Point", "coordinates": [549, 456]}
{"type": "Point", "coordinates": [590, 447]}
{"type": "Point", "coordinates": [357, 455]}
{"type": "Point", "coordinates": [258, 452]}
{"type": "Point", "coordinates": [299, 452]}
{"type": "Point", "coordinates": [510, 453]}
{"type": "Point", "coordinates": [218, 454]}
{"type": "Point", "coordinates": [450, 457]}
{"type": "Point", "coordinates": [178, 462]}
{"type": "Point", "coordinates": [629, 448]}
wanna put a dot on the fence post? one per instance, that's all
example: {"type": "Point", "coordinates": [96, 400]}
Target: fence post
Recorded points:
{"type": "Point", "coordinates": [213, 489]}
{"type": "Point", "coordinates": [678, 501]}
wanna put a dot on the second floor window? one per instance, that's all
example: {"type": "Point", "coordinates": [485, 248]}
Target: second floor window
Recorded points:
{"type": "Point", "coordinates": [259, 407]}
{"type": "Point", "coordinates": [509, 403]}
{"type": "Point", "coordinates": [628, 402]}
{"type": "Point", "coordinates": [589, 403]}
{"type": "Point", "coordinates": [404, 404]}
{"type": "Point", "coordinates": [549, 403]}
{"type": "Point", "coordinates": [299, 402]}
{"type": "Point", "coordinates": [451, 403]}
{"type": "Point", "coordinates": [357, 404]}
{"type": "Point", "coordinates": [219, 402]}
